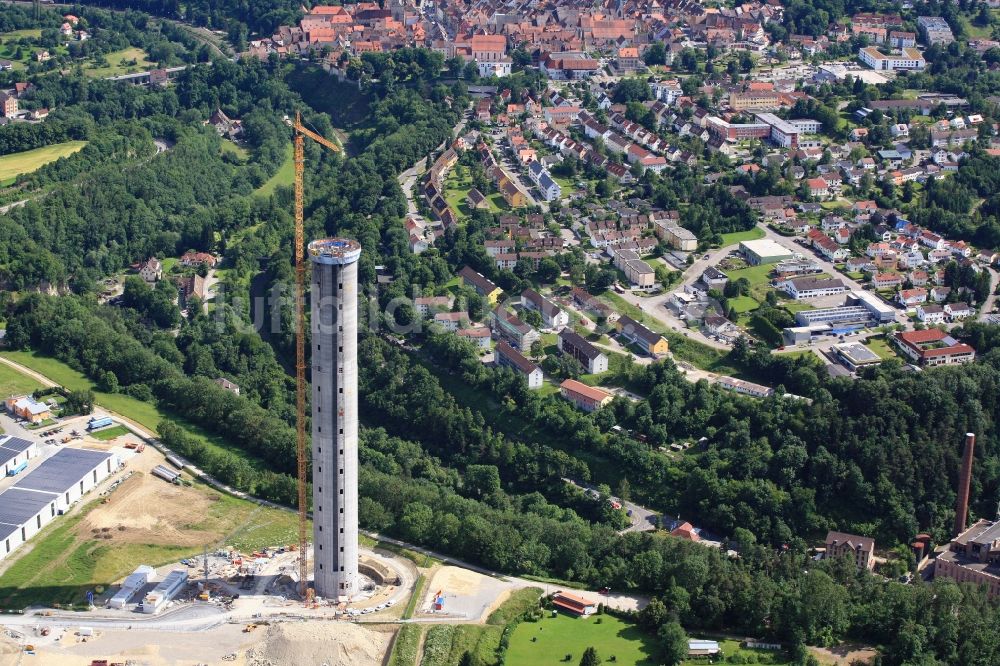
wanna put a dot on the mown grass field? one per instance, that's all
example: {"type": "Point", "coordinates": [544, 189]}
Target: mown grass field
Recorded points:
{"type": "Point", "coordinates": [15, 164]}
{"type": "Point", "coordinates": [882, 347]}
{"type": "Point", "coordinates": [283, 177]}
{"type": "Point", "coordinates": [120, 62]}
{"type": "Point", "coordinates": [13, 382]}
{"type": "Point", "coordinates": [550, 640]}
{"type": "Point", "coordinates": [739, 236]}
{"type": "Point", "coordinates": [108, 434]}
{"type": "Point", "coordinates": [231, 148]}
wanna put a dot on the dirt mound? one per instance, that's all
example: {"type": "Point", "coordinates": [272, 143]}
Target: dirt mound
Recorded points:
{"type": "Point", "coordinates": [315, 643]}
{"type": "Point", "coordinates": [151, 511]}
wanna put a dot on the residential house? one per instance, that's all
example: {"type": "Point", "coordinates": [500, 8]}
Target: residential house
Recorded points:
{"type": "Point", "coordinates": [958, 311]}
{"type": "Point", "coordinates": [151, 270]}
{"type": "Point", "coordinates": [860, 549]}
{"type": "Point", "coordinates": [910, 298]}
{"type": "Point", "coordinates": [552, 315]}
{"type": "Point", "coordinates": [228, 385]}
{"type": "Point", "coordinates": [930, 313]}
{"type": "Point", "coordinates": [195, 259]}
{"type": "Point", "coordinates": [587, 398]}
{"type": "Point", "coordinates": [508, 326]}
{"type": "Point", "coordinates": [483, 286]}
{"type": "Point", "coordinates": [590, 357]}
{"type": "Point", "coordinates": [8, 105]}
{"type": "Point", "coordinates": [505, 356]}
{"type": "Point", "coordinates": [478, 335]}
{"type": "Point", "coordinates": [451, 321]}
{"type": "Point", "coordinates": [635, 333]}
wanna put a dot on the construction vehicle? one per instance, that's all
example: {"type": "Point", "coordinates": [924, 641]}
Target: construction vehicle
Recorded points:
{"type": "Point", "coordinates": [301, 132]}
{"type": "Point", "coordinates": [250, 627]}
{"type": "Point", "coordinates": [204, 596]}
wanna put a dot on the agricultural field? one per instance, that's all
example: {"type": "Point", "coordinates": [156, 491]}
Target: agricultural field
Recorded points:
{"type": "Point", "coordinates": [550, 640]}
{"type": "Point", "coordinates": [125, 61]}
{"type": "Point", "coordinates": [15, 164]}
{"type": "Point", "coordinates": [283, 177]}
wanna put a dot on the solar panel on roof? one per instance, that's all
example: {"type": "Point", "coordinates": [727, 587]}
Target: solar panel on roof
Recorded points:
{"type": "Point", "coordinates": [16, 444]}
{"type": "Point", "coordinates": [17, 506]}
{"type": "Point", "coordinates": [7, 530]}
{"type": "Point", "coordinates": [6, 455]}
{"type": "Point", "coordinates": [63, 470]}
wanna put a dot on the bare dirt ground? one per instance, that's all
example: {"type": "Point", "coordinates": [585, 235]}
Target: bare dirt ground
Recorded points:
{"type": "Point", "coordinates": [332, 643]}
{"type": "Point", "coordinates": [467, 594]}
{"type": "Point", "coordinates": [309, 643]}
{"type": "Point", "coordinates": [151, 510]}
{"type": "Point", "coordinates": [844, 654]}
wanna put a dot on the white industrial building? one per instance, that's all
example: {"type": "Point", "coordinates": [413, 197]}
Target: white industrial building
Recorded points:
{"type": "Point", "coordinates": [14, 452]}
{"type": "Point", "coordinates": [48, 491]}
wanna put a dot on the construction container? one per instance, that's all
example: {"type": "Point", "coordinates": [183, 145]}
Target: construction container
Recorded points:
{"type": "Point", "coordinates": [95, 423]}
{"type": "Point", "coordinates": [165, 591]}
{"type": "Point", "coordinates": [131, 586]}
{"type": "Point", "coordinates": [168, 475]}
{"type": "Point", "coordinates": [86, 631]}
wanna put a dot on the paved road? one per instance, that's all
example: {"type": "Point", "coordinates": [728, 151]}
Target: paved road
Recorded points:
{"type": "Point", "coordinates": [991, 300]}
{"type": "Point", "coordinates": [641, 518]}
{"type": "Point", "coordinates": [408, 179]}
{"type": "Point", "coordinates": [656, 306]}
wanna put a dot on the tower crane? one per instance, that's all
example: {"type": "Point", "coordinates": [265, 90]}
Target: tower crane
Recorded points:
{"type": "Point", "coordinates": [301, 132]}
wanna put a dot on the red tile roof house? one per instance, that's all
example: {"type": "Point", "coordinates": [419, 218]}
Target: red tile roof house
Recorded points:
{"type": "Point", "coordinates": [912, 297]}
{"type": "Point", "coordinates": [587, 398]}
{"type": "Point", "coordinates": [574, 603]}
{"type": "Point", "coordinates": [198, 258]}
{"type": "Point", "coordinates": [933, 347]}
{"type": "Point", "coordinates": [886, 280]}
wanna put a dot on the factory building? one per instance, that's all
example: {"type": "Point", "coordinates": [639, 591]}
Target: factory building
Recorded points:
{"type": "Point", "coordinates": [335, 416]}
{"type": "Point", "coordinates": [14, 454]}
{"type": "Point", "coordinates": [49, 491]}
{"type": "Point", "coordinates": [764, 251]}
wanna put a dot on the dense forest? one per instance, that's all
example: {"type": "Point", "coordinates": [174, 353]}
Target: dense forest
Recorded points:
{"type": "Point", "coordinates": [259, 16]}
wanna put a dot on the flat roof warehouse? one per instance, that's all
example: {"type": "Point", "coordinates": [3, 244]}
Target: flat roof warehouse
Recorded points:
{"type": "Point", "coordinates": [49, 490]}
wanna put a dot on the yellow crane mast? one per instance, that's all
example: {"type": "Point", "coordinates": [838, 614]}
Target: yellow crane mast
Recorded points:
{"type": "Point", "coordinates": [300, 338]}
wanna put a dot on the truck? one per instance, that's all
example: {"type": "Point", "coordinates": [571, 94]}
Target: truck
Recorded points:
{"type": "Point", "coordinates": [17, 470]}
{"type": "Point", "coordinates": [99, 422]}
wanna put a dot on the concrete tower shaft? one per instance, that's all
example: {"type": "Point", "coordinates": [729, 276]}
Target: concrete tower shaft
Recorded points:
{"type": "Point", "coordinates": [335, 415]}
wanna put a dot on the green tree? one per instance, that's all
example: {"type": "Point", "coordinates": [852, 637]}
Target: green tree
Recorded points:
{"type": "Point", "coordinates": [590, 658]}
{"type": "Point", "coordinates": [673, 643]}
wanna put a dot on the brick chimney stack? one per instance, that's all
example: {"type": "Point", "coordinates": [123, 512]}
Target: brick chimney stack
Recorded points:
{"type": "Point", "coordinates": [964, 481]}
